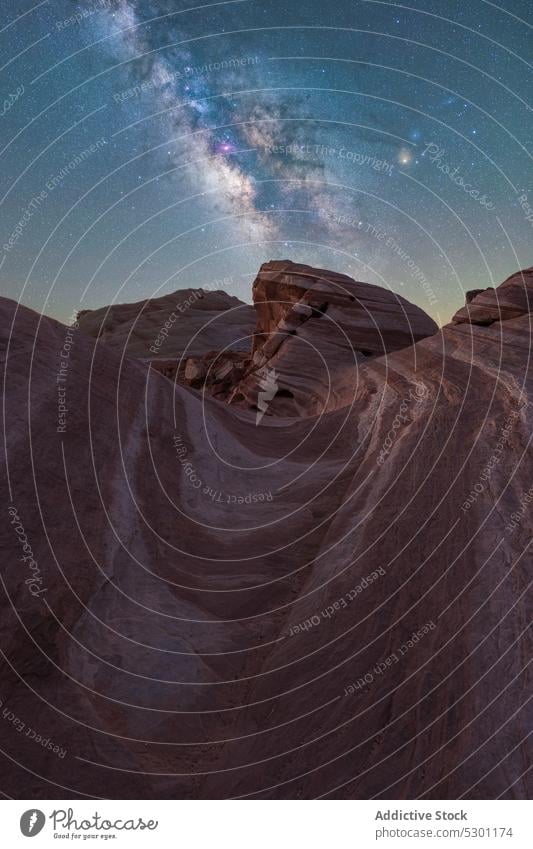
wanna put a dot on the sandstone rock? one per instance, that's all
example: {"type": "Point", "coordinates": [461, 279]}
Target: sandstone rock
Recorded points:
{"type": "Point", "coordinates": [510, 300]}
{"type": "Point", "coordinates": [189, 322]}
{"type": "Point", "coordinates": [373, 318]}
{"type": "Point", "coordinates": [314, 328]}
{"type": "Point", "coordinates": [285, 608]}
{"type": "Point", "coordinates": [472, 293]}
{"type": "Point", "coordinates": [194, 369]}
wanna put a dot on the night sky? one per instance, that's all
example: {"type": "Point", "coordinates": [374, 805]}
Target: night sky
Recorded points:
{"type": "Point", "coordinates": [153, 146]}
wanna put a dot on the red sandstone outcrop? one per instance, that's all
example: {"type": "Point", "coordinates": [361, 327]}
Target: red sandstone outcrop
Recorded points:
{"type": "Point", "coordinates": [314, 328]}
{"type": "Point", "coordinates": [510, 300]}
{"type": "Point", "coordinates": [198, 602]}
{"type": "Point", "coordinates": [170, 329]}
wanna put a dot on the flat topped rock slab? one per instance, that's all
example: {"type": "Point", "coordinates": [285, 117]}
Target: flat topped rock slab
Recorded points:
{"type": "Point", "coordinates": [282, 284]}
{"type": "Point", "coordinates": [314, 327]}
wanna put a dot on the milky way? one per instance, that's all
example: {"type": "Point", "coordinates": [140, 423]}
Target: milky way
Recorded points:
{"type": "Point", "coordinates": [150, 146]}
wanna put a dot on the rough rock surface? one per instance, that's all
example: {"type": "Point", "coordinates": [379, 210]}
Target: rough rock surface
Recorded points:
{"type": "Point", "coordinates": [510, 300]}
{"type": "Point", "coordinates": [314, 328]}
{"type": "Point", "coordinates": [214, 605]}
{"type": "Point", "coordinates": [374, 318]}
{"type": "Point", "coordinates": [169, 329]}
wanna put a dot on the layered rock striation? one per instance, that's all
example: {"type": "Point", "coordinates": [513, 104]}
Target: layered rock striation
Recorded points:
{"type": "Point", "coordinates": [326, 600]}
{"type": "Point", "coordinates": [314, 329]}
{"type": "Point", "coordinates": [169, 330]}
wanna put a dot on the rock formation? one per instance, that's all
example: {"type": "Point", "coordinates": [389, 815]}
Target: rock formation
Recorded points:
{"type": "Point", "coordinates": [510, 300]}
{"type": "Point", "coordinates": [314, 328]}
{"type": "Point", "coordinates": [172, 329]}
{"type": "Point", "coordinates": [323, 598]}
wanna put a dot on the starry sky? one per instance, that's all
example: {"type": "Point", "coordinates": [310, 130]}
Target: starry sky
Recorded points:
{"type": "Point", "coordinates": [153, 145]}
